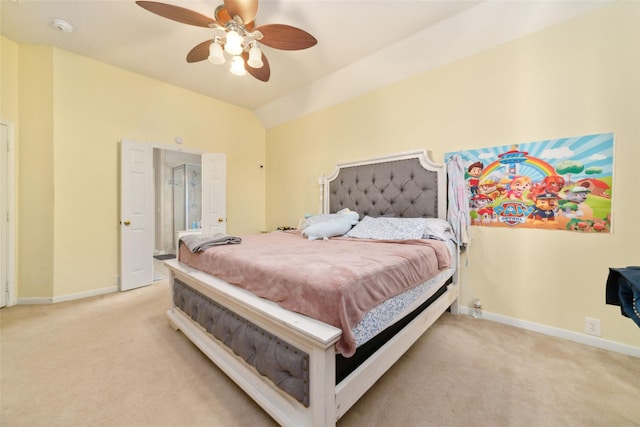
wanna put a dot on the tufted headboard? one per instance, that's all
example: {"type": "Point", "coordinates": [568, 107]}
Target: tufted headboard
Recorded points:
{"type": "Point", "coordinates": [405, 185]}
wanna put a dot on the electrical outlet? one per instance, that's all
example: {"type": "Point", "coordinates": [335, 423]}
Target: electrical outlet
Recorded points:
{"type": "Point", "coordinates": [592, 326]}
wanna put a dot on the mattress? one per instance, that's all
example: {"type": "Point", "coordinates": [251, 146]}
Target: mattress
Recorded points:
{"type": "Point", "coordinates": [392, 310]}
{"type": "Point", "coordinates": [335, 281]}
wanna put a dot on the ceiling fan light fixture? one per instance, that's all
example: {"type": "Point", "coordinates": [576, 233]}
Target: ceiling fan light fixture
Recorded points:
{"type": "Point", "coordinates": [216, 55]}
{"type": "Point", "coordinates": [255, 57]}
{"type": "Point", "coordinates": [236, 34]}
{"type": "Point", "coordinates": [237, 66]}
{"type": "Point", "coordinates": [233, 44]}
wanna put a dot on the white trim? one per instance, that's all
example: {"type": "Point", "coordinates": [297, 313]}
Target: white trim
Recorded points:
{"type": "Point", "coordinates": [68, 297]}
{"type": "Point", "coordinates": [11, 209]}
{"type": "Point", "coordinates": [559, 333]}
{"type": "Point", "coordinates": [35, 301]}
{"type": "Point", "coordinates": [176, 148]}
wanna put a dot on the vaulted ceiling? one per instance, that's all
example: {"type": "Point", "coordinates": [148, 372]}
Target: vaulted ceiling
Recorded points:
{"type": "Point", "coordinates": [362, 44]}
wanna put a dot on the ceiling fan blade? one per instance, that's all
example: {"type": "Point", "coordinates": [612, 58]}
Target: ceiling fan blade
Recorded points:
{"type": "Point", "coordinates": [245, 9]}
{"type": "Point", "coordinates": [177, 13]}
{"type": "Point", "coordinates": [262, 73]}
{"type": "Point", "coordinates": [200, 52]}
{"type": "Point", "coordinates": [285, 37]}
{"type": "Point", "coordinates": [222, 15]}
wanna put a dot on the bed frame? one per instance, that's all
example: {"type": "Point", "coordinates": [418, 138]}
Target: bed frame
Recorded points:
{"type": "Point", "coordinates": [391, 185]}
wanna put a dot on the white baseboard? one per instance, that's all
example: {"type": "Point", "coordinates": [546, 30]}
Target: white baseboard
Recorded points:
{"type": "Point", "coordinates": [69, 297]}
{"type": "Point", "coordinates": [34, 301]}
{"type": "Point", "coordinates": [590, 340]}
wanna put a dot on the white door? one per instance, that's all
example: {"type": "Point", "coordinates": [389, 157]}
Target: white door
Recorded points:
{"type": "Point", "coordinates": [214, 193]}
{"type": "Point", "coordinates": [4, 212]}
{"type": "Point", "coordinates": [136, 215]}
{"type": "Point", "coordinates": [7, 215]}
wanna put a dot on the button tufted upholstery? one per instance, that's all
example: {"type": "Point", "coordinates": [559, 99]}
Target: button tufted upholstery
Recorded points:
{"type": "Point", "coordinates": [286, 366]}
{"type": "Point", "coordinates": [400, 188]}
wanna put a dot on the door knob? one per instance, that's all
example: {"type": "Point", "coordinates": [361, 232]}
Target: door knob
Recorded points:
{"type": "Point", "coordinates": [220, 220]}
{"type": "Point", "coordinates": [127, 222]}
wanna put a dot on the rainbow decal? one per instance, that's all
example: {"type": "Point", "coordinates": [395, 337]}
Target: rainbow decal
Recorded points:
{"type": "Point", "coordinates": [532, 167]}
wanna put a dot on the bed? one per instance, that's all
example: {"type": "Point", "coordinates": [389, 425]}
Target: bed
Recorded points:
{"type": "Point", "coordinates": [308, 370]}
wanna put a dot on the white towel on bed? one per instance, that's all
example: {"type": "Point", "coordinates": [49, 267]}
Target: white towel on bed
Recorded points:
{"type": "Point", "coordinates": [202, 242]}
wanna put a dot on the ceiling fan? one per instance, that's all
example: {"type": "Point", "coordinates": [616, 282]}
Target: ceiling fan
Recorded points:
{"type": "Point", "coordinates": [235, 33]}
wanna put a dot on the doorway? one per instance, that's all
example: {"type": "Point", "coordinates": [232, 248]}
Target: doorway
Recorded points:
{"type": "Point", "coordinates": [139, 207]}
{"type": "Point", "coordinates": [178, 197]}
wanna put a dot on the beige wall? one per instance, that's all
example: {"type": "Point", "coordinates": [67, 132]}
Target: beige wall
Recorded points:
{"type": "Point", "coordinates": [36, 191]}
{"type": "Point", "coordinates": [8, 78]}
{"type": "Point", "coordinates": [579, 78]}
{"type": "Point", "coordinates": [73, 113]}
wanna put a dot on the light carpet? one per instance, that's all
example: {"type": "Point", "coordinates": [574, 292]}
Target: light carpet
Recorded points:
{"type": "Point", "coordinates": [114, 360]}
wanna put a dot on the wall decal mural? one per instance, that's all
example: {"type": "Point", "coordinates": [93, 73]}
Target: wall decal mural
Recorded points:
{"type": "Point", "coordinates": [559, 184]}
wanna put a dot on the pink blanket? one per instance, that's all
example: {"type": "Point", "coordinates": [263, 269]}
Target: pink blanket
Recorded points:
{"type": "Point", "coordinates": [336, 281]}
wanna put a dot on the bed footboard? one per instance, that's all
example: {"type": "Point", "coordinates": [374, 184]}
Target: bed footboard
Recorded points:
{"type": "Point", "coordinates": [314, 342]}
{"type": "Point", "coordinates": [311, 347]}
{"type": "Point", "coordinates": [284, 364]}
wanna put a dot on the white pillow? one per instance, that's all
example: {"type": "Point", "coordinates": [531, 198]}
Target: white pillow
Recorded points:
{"type": "Point", "coordinates": [386, 228]}
{"type": "Point", "coordinates": [315, 219]}
{"type": "Point", "coordinates": [324, 230]}
{"type": "Point", "coordinates": [437, 228]}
